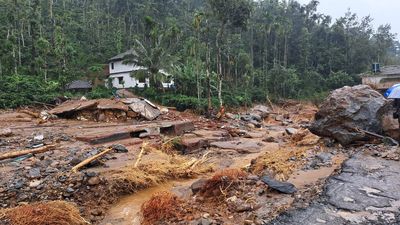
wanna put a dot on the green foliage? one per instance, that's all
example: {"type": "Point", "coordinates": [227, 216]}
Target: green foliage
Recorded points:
{"type": "Point", "coordinates": [283, 82]}
{"type": "Point", "coordinates": [339, 79]}
{"type": "Point", "coordinates": [20, 90]}
{"type": "Point", "coordinates": [100, 92]}
{"type": "Point", "coordinates": [281, 49]}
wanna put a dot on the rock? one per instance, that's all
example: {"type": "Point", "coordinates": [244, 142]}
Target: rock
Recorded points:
{"type": "Point", "coordinates": [243, 146]}
{"type": "Point", "coordinates": [246, 117]}
{"type": "Point", "coordinates": [34, 183]}
{"type": "Point", "coordinates": [64, 137]}
{"type": "Point", "coordinates": [188, 145]}
{"type": "Point", "coordinates": [96, 212]}
{"type": "Point", "coordinates": [261, 110]}
{"type": "Point", "coordinates": [34, 173]}
{"type": "Point", "coordinates": [243, 208]}
{"type": "Point", "coordinates": [255, 123]}
{"type": "Point", "coordinates": [248, 222]}
{"type": "Point", "coordinates": [6, 132]}
{"type": "Point", "coordinates": [348, 108]}
{"type": "Point", "coordinates": [198, 185]}
{"type": "Point", "coordinates": [51, 170]}
{"type": "Point", "coordinates": [94, 181]}
{"type": "Point", "coordinates": [38, 138]}
{"type": "Point", "coordinates": [283, 187]}
{"type": "Point", "coordinates": [18, 184]}
{"type": "Point", "coordinates": [270, 140]}
{"type": "Point", "coordinates": [256, 117]}
{"type": "Point", "coordinates": [253, 177]}
{"type": "Point", "coordinates": [70, 190]}
{"type": "Point", "coordinates": [324, 157]}
{"type": "Point", "coordinates": [204, 221]}
{"type": "Point", "coordinates": [120, 148]}
{"type": "Point", "coordinates": [230, 116]}
{"type": "Point", "coordinates": [250, 125]}
{"type": "Point", "coordinates": [74, 161]}
{"type": "Point", "coordinates": [291, 131]}
{"type": "Point", "coordinates": [390, 125]}
{"type": "Point", "coordinates": [279, 118]}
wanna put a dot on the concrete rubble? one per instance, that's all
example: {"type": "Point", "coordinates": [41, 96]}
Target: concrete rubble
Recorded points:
{"type": "Point", "coordinates": [107, 109]}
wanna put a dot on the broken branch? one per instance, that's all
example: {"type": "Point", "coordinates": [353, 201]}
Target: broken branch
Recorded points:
{"type": "Point", "coordinates": [26, 152]}
{"type": "Point", "coordinates": [142, 150]}
{"type": "Point", "coordinates": [88, 160]}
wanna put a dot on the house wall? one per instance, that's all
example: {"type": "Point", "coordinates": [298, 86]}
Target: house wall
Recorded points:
{"type": "Point", "coordinates": [124, 71]}
{"type": "Point", "coordinates": [128, 81]}
{"type": "Point", "coordinates": [119, 67]}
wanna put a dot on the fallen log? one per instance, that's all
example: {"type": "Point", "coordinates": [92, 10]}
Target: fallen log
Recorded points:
{"type": "Point", "coordinates": [386, 139]}
{"type": "Point", "coordinates": [88, 160]}
{"type": "Point", "coordinates": [142, 150]}
{"type": "Point", "coordinates": [26, 152]}
{"type": "Point", "coordinates": [33, 114]}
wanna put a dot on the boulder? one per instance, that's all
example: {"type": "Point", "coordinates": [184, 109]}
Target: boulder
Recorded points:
{"type": "Point", "coordinates": [348, 108]}
{"type": "Point", "coordinates": [198, 185]}
{"type": "Point", "coordinates": [390, 125]}
{"type": "Point", "coordinates": [261, 111]}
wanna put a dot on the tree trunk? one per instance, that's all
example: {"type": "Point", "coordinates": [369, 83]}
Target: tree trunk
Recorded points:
{"type": "Point", "coordinates": [219, 63]}
{"type": "Point", "coordinates": [208, 78]}
{"type": "Point", "coordinates": [285, 54]}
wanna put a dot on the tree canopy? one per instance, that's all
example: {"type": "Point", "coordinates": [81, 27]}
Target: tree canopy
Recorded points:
{"type": "Point", "coordinates": [239, 50]}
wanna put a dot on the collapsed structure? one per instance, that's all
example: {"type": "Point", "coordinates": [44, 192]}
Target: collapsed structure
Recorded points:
{"type": "Point", "coordinates": [103, 110]}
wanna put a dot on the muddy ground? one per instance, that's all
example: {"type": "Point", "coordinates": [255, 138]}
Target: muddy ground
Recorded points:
{"type": "Point", "coordinates": [335, 185]}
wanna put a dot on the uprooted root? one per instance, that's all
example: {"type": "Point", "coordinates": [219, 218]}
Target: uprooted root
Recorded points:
{"type": "Point", "coordinates": [222, 182]}
{"type": "Point", "coordinates": [130, 178]}
{"type": "Point", "coordinates": [279, 163]}
{"type": "Point", "coordinates": [161, 207]}
{"type": "Point", "coordinates": [56, 212]}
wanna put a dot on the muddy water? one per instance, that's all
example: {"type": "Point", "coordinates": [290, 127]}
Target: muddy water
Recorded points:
{"type": "Point", "coordinates": [126, 211]}
{"type": "Point", "coordinates": [303, 178]}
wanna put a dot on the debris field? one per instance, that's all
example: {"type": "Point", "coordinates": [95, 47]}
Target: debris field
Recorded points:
{"type": "Point", "coordinates": [129, 161]}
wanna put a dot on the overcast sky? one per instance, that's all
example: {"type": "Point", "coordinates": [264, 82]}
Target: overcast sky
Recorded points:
{"type": "Point", "coordinates": [382, 11]}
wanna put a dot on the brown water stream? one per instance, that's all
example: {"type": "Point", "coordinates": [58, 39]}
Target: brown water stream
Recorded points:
{"type": "Point", "coordinates": [126, 211]}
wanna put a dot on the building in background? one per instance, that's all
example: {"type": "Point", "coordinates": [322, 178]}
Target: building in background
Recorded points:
{"type": "Point", "coordinates": [381, 78]}
{"type": "Point", "coordinates": [122, 75]}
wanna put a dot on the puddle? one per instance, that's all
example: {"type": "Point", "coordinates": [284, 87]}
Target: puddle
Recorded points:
{"type": "Point", "coordinates": [127, 209]}
{"type": "Point", "coordinates": [303, 178]}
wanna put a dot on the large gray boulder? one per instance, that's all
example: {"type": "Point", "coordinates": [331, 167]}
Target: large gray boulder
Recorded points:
{"type": "Point", "coordinates": [390, 125]}
{"type": "Point", "coordinates": [348, 108]}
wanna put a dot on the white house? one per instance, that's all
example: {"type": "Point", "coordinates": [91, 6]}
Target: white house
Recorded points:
{"type": "Point", "coordinates": [122, 75]}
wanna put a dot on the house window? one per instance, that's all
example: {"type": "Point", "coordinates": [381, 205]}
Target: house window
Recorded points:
{"type": "Point", "coordinates": [112, 66]}
{"type": "Point", "coordinates": [120, 80]}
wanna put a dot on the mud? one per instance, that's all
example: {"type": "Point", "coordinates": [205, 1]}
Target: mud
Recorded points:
{"type": "Point", "coordinates": [361, 190]}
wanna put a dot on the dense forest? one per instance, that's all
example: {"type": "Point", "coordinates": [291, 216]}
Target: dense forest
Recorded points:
{"type": "Point", "coordinates": [232, 52]}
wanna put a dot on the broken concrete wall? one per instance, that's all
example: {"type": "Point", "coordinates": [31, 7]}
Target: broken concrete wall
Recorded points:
{"type": "Point", "coordinates": [107, 109]}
